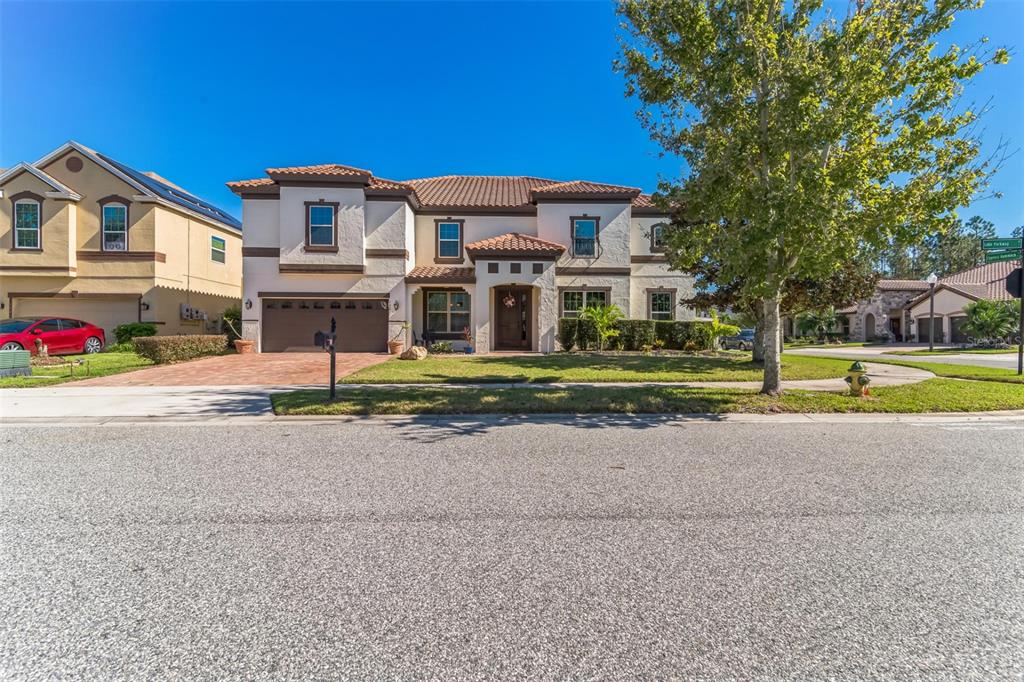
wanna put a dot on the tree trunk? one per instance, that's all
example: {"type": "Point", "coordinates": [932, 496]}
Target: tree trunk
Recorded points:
{"type": "Point", "coordinates": [758, 332]}
{"type": "Point", "coordinates": [772, 347]}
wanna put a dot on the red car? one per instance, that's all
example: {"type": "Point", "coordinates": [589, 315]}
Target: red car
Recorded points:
{"type": "Point", "coordinates": [60, 335]}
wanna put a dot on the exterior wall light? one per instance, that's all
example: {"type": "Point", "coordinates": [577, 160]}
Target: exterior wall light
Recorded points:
{"type": "Point", "coordinates": [248, 304]}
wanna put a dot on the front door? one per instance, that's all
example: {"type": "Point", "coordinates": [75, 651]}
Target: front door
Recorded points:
{"type": "Point", "coordinates": [512, 318]}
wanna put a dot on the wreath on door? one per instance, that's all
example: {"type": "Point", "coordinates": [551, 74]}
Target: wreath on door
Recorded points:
{"type": "Point", "coordinates": [509, 300]}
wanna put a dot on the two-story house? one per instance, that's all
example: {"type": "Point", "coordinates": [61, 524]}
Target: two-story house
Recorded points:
{"type": "Point", "coordinates": [500, 256]}
{"type": "Point", "coordinates": [84, 236]}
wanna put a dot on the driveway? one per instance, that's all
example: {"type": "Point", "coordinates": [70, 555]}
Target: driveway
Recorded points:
{"type": "Point", "coordinates": [998, 360]}
{"type": "Point", "coordinates": [251, 369]}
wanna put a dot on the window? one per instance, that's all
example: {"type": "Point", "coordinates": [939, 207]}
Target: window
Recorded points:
{"type": "Point", "coordinates": [658, 237]}
{"type": "Point", "coordinates": [449, 240]}
{"type": "Point", "coordinates": [447, 312]}
{"type": "Point", "coordinates": [661, 305]}
{"type": "Point", "coordinates": [26, 224]}
{"type": "Point", "coordinates": [492, 268]}
{"type": "Point", "coordinates": [49, 326]}
{"type": "Point", "coordinates": [70, 324]}
{"type": "Point", "coordinates": [115, 227]}
{"type": "Point", "coordinates": [218, 249]}
{"type": "Point", "coordinates": [584, 237]}
{"type": "Point", "coordinates": [321, 219]}
{"type": "Point", "coordinates": [538, 268]}
{"type": "Point", "coordinates": [575, 301]}
{"type": "Point", "coordinates": [515, 268]}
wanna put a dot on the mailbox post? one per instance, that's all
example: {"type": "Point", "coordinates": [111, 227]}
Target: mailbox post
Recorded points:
{"type": "Point", "coordinates": [327, 342]}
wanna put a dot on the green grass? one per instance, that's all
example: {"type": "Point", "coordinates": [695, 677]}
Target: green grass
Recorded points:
{"type": "Point", "coordinates": [96, 365]}
{"type": "Point", "coordinates": [934, 395]}
{"type": "Point", "coordinates": [846, 344]}
{"type": "Point", "coordinates": [975, 373]}
{"type": "Point", "coordinates": [953, 351]}
{"type": "Point", "coordinates": [589, 368]}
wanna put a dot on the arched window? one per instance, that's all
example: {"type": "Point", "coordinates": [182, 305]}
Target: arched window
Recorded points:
{"type": "Point", "coordinates": [27, 223]}
{"type": "Point", "coordinates": [657, 237]}
{"type": "Point", "coordinates": [114, 211]}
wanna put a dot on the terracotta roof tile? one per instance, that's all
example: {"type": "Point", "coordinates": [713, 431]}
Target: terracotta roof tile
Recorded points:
{"type": "Point", "coordinates": [515, 244]}
{"type": "Point", "coordinates": [249, 184]}
{"type": "Point", "coordinates": [476, 191]}
{"type": "Point", "coordinates": [576, 188]}
{"type": "Point", "coordinates": [902, 285]}
{"type": "Point", "coordinates": [989, 280]}
{"type": "Point", "coordinates": [320, 170]}
{"type": "Point", "coordinates": [384, 183]}
{"type": "Point", "coordinates": [439, 274]}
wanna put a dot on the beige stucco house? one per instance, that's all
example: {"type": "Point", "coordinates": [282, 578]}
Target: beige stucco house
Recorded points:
{"type": "Point", "coordinates": [501, 256]}
{"type": "Point", "coordinates": [952, 294]}
{"type": "Point", "coordinates": [87, 237]}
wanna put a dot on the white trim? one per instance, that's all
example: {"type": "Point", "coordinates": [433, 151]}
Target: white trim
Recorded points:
{"type": "Point", "coordinates": [62, 191]}
{"type": "Point", "coordinates": [103, 226]}
{"type": "Point", "coordinates": [223, 250]}
{"type": "Point", "coordinates": [38, 228]}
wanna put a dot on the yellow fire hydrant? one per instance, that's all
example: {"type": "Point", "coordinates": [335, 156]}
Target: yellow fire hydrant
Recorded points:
{"type": "Point", "coordinates": [858, 379]}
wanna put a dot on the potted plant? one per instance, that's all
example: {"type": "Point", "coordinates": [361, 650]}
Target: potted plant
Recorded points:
{"type": "Point", "coordinates": [467, 336]}
{"type": "Point", "coordinates": [242, 346]}
{"type": "Point", "coordinates": [396, 345]}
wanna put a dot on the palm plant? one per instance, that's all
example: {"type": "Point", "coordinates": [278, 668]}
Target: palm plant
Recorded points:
{"type": "Point", "coordinates": [604, 318]}
{"type": "Point", "coordinates": [817, 322]}
{"type": "Point", "coordinates": [990, 320]}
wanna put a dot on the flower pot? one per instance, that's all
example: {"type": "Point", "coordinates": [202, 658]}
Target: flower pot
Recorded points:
{"type": "Point", "coordinates": [244, 346]}
{"type": "Point", "coordinates": [395, 347]}
{"type": "Point", "coordinates": [469, 350]}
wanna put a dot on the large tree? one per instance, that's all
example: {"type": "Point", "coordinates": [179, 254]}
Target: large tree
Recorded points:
{"type": "Point", "coordinates": [806, 135]}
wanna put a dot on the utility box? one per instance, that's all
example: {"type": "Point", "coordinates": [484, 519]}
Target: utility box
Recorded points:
{"type": "Point", "coordinates": [15, 363]}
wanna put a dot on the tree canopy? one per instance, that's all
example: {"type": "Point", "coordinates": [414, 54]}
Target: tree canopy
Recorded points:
{"type": "Point", "coordinates": [807, 136]}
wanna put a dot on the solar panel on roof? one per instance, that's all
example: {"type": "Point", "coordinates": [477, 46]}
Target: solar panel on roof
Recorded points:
{"type": "Point", "coordinates": [168, 193]}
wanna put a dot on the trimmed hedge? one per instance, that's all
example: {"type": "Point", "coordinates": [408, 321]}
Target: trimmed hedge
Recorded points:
{"type": "Point", "coordinates": [162, 349]}
{"type": "Point", "coordinates": [126, 332]}
{"type": "Point", "coordinates": [633, 335]}
{"type": "Point", "coordinates": [567, 332]}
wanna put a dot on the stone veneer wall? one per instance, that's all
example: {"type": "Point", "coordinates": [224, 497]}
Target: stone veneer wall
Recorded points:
{"type": "Point", "coordinates": [879, 305]}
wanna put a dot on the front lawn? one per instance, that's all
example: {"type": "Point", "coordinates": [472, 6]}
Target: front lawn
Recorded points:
{"type": "Point", "coordinates": [589, 368]}
{"type": "Point", "coordinates": [94, 365]}
{"type": "Point", "coordinates": [954, 351]}
{"type": "Point", "coordinates": [934, 395]}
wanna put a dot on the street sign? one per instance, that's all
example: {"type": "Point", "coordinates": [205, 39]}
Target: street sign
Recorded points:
{"type": "Point", "coordinates": [1003, 243]}
{"type": "Point", "coordinates": [1001, 256]}
{"type": "Point", "coordinates": [1013, 283]}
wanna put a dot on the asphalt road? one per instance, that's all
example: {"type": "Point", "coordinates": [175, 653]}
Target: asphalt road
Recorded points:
{"type": "Point", "coordinates": [608, 548]}
{"type": "Point", "coordinates": [868, 353]}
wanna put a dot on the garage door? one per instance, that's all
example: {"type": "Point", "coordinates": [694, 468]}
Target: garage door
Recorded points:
{"type": "Point", "coordinates": [957, 335]}
{"type": "Point", "coordinates": [102, 312]}
{"type": "Point", "coordinates": [924, 328]}
{"type": "Point", "coordinates": [289, 324]}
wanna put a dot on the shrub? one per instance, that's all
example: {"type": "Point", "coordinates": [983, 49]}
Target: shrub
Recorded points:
{"type": "Point", "coordinates": [567, 332]}
{"type": "Point", "coordinates": [605, 319]}
{"type": "Point", "coordinates": [665, 333]}
{"type": "Point", "coordinates": [127, 347]}
{"type": "Point", "coordinates": [126, 332]}
{"type": "Point", "coordinates": [636, 334]}
{"type": "Point", "coordinates": [161, 349]}
{"type": "Point", "coordinates": [587, 337]}
{"type": "Point", "coordinates": [442, 347]}
{"type": "Point", "coordinates": [231, 322]}
{"type": "Point", "coordinates": [991, 321]}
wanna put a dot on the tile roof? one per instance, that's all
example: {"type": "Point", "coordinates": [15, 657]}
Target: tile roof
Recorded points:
{"type": "Point", "coordinates": [515, 244]}
{"type": "Point", "coordinates": [476, 191]}
{"type": "Point", "coordinates": [982, 281]}
{"type": "Point", "coordinates": [576, 188]}
{"type": "Point", "coordinates": [248, 184]}
{"type": "Point", "coordinates": [319, 170]}
{"type": "Point", "coordinates": [902, 285]}
{"type": "Point", "coordinates": [440, 274]}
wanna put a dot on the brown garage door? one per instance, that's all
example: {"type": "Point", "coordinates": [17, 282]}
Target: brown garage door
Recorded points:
{"type": "Point", "coordinates": [924, 328]}
{"type": "Point", "coordinates": [957, 335]}
{"type": "Point", "coordinates": [289, 324]}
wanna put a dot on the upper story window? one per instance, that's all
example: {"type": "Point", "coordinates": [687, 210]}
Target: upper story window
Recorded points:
{"type": "Point", "coordinates": [658, 237]}
{"type": "Point", "coordinates": [218, 249]}
{"type": "Point", "coordinates": [115, 227]}
{"type": "Point", "coordinates": [449, 240]}
{"type": "Point", "coordinates": [321, 225]}
{"type": "Point", "coordinates": [584, 237]}
{"type": "Point", "coordinates": [661, 305]}
{"type": "Point", "coordinates": [27, 230]}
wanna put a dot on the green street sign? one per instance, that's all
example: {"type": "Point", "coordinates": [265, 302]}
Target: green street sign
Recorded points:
{"type": "Point", "coordinates": [1001, 256]}
{"type": "Point", "coordinates": [1008, 243]}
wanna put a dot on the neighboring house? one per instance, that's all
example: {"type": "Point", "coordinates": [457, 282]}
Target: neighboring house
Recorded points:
{"type": "Point", "coordinates": [954, 292]}
{"type": "Point", "coordinates": [504, 256]}
{"type": "Point", "coordinates": [884, 314]}
{"type": "Point", "coordinates": [87, 237]}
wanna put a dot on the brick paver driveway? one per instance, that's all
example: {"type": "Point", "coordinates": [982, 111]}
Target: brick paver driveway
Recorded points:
{"type": "Point", "coordinates": [252, 369]}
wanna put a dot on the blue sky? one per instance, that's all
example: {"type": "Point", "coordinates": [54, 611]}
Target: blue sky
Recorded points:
{"type": "Point", "coordinates": [203, 93]}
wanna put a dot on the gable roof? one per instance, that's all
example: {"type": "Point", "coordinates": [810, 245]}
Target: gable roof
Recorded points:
{"type": "Point", "coordinates": [506, 193]}
{"type": "Point", "coordinates": [59, 189]}
{"type": "Point", "coordinates": [982, 281]}
{"type": "Point", "coordinates": [148, 185]}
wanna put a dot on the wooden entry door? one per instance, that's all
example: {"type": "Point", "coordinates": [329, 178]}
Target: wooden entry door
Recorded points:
{"type": "Point", "coordinates": [512, 321]}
